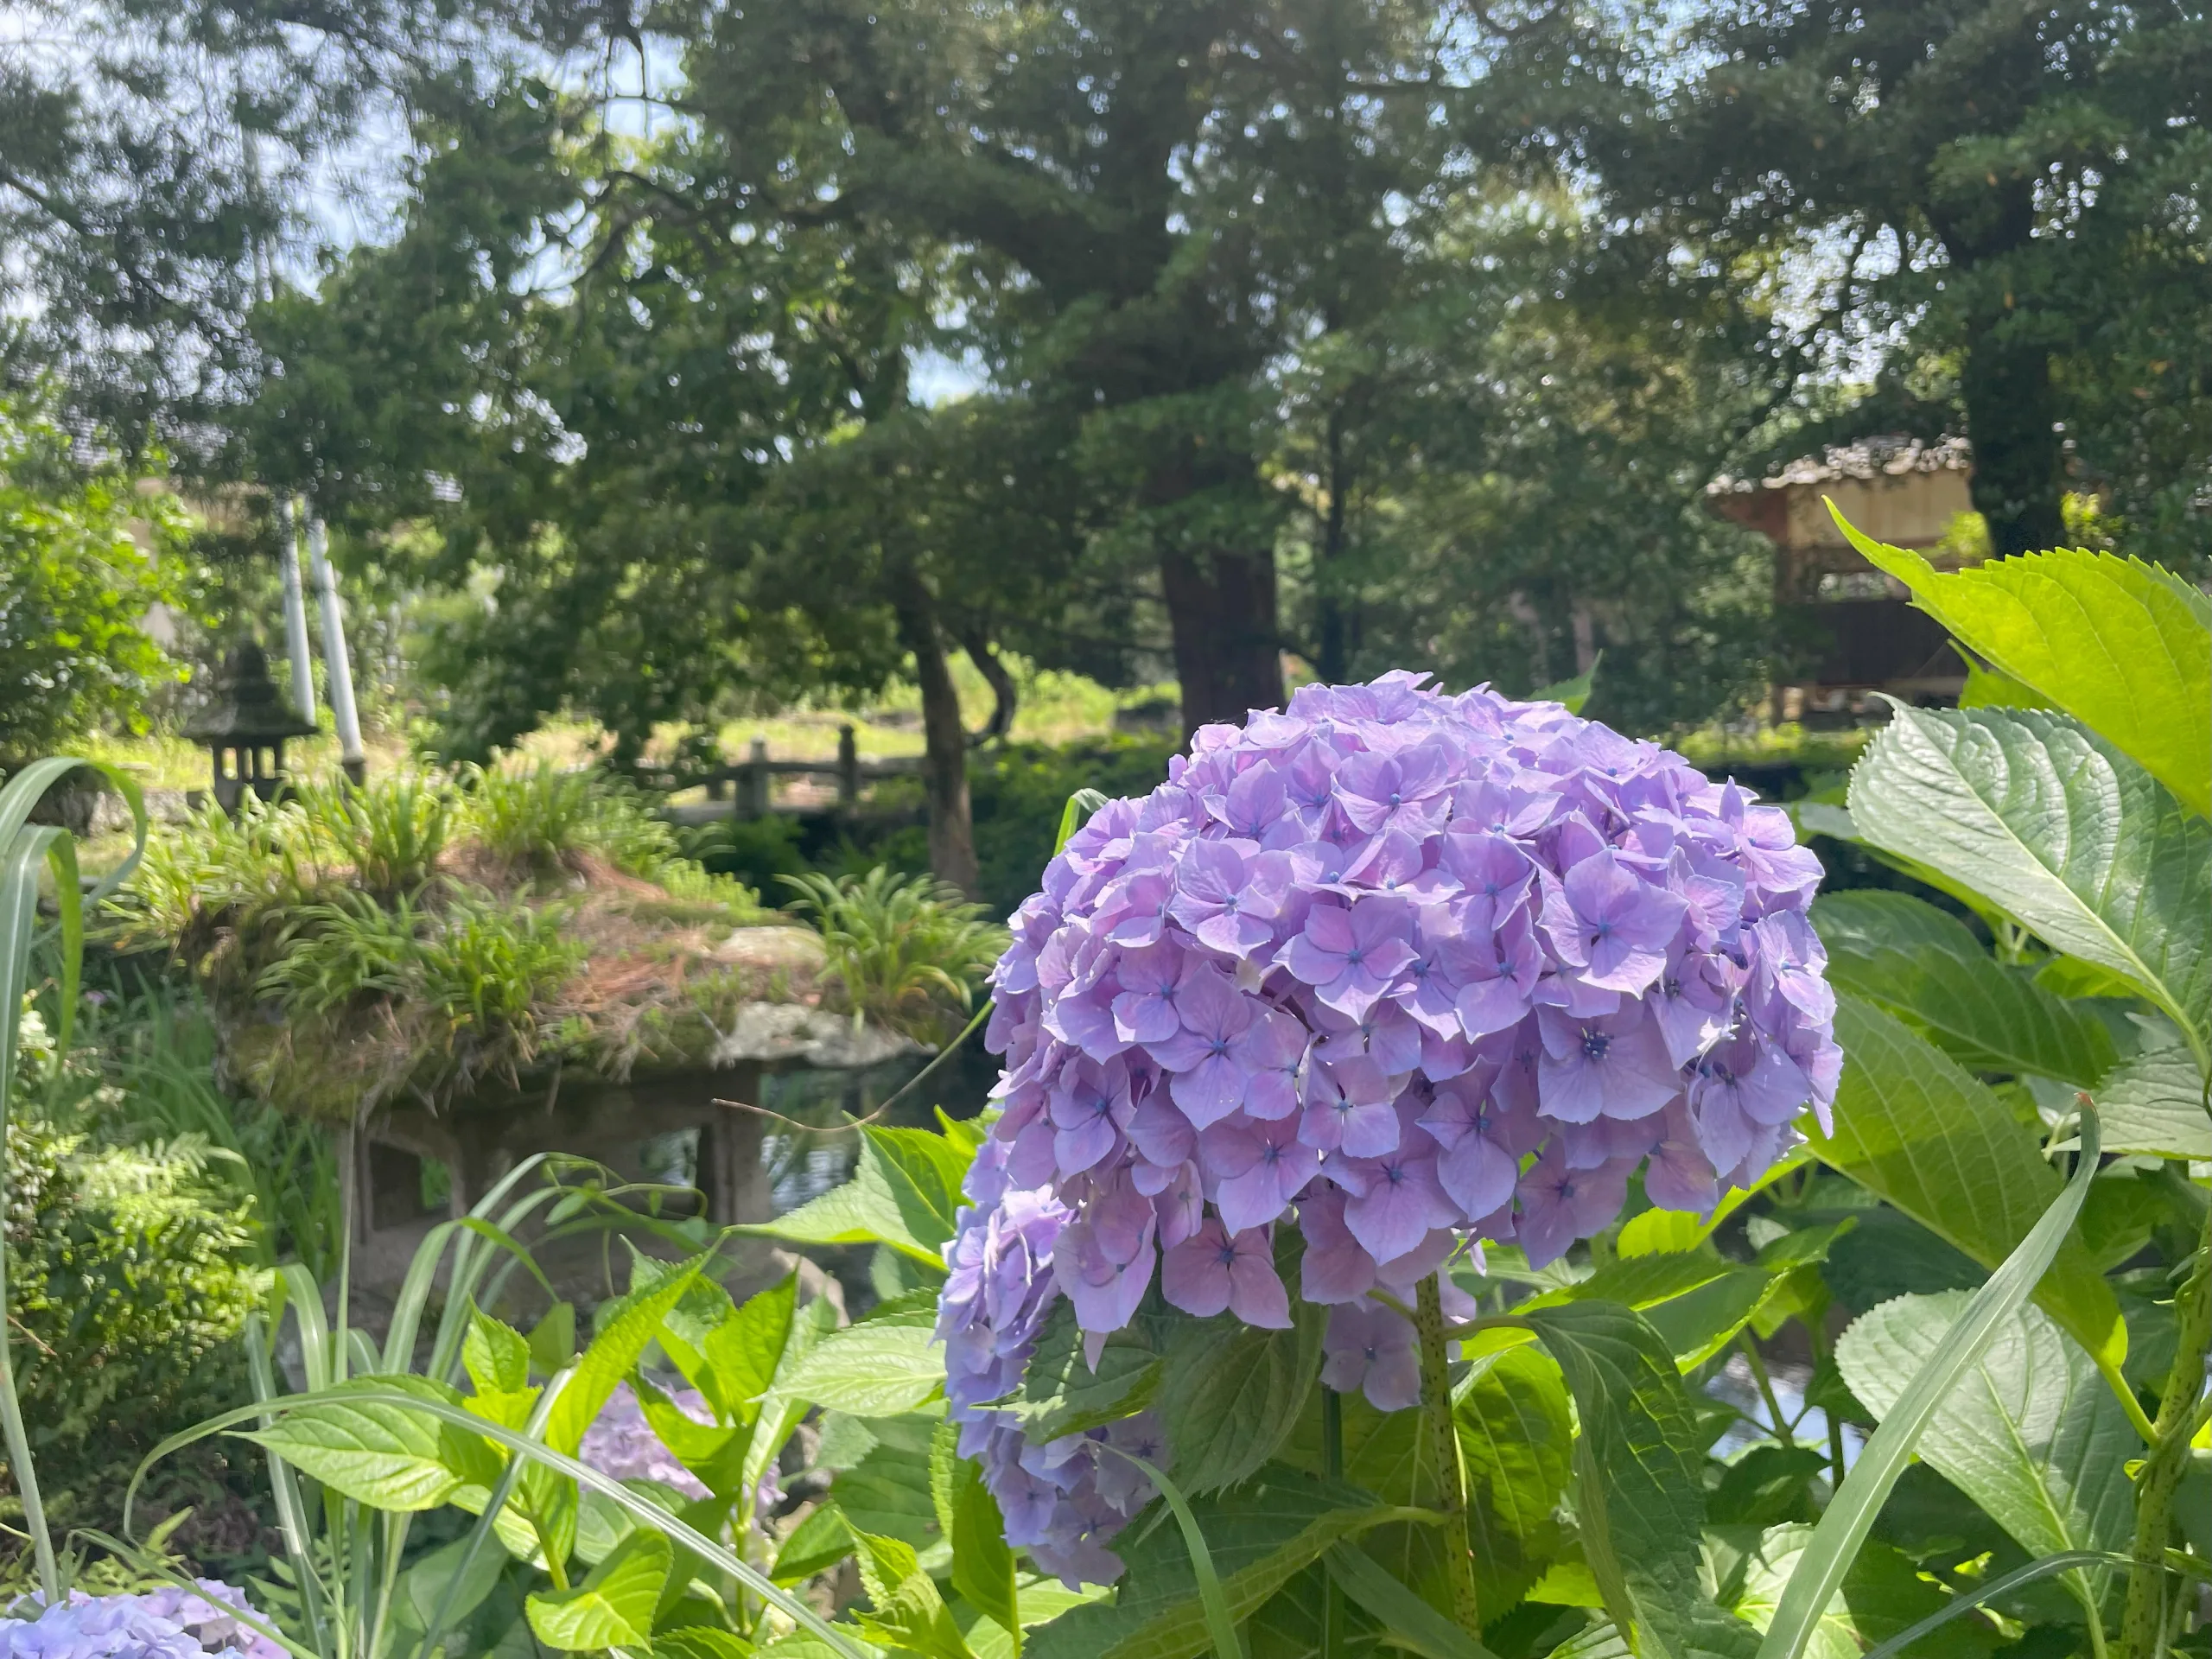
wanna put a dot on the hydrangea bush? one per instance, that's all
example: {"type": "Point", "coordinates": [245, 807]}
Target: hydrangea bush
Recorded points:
{"type": "Point", "coordinates": [1402, 972]}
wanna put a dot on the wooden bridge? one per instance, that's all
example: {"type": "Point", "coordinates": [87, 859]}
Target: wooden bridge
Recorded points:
{"type": "Point", "coordinates": [745, 789]}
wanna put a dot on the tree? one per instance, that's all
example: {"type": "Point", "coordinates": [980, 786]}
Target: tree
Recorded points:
{"type": "Point", "coordinates": [1967, 178]}
{"type": "Point", "coordinates": [84, 557]}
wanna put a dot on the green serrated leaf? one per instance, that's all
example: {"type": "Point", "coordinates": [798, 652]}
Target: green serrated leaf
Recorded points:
{"type": "Point", "coordinates": [496, 1355]}
{"type": "Point", "coordinates": [1230, 1393]}
{"type": "Point", "coordinates": [906, 1612]}
{"type": "Point", "coordinates": [1989, 688]}
{"type": "Point", "coordinates": [636, 1323]}
{"type": "Point", "coordinates": [553, 1338]}
{"type": "Point", "coordinates": [1640, 1465]}
{"type": "Point", "coordinates": [904, 1193]}
{"type": "Point", "coordinates": [1259, 1535]}
{"type": "Point", "coordinates": [1924, 966]}
{"type": "Point", "coordinates": [1913, 1129]}
{"type": "Point", "coordinates": [1696, 1299]}
{"type": "Point", "coordinates": [1882, 1594]}
{"type": "Point", "coordinates": [612, 1608]}
{"type": "Point", "coordinates": [2154, 1101]}
{"type": "Point", "coordinates": [887, 1491]}
{"type": "Point", "coordinates": [983, 1565]}
{"type": "Point", "coordinates": [1516, 1435]}
{"type": "Point", "coordinates": [2031, 1432]}
{"type": "Point", "coordinates": [887, 1364]}
{"type": "Point", "coordinates": [2063, 832]}
{"type": "Point", "coordinates": [738, 1358]}
{"type": "Point", "coordinates": [815, 1544]}
{"type": "Point", "coordinates": [1060, 1394]}
{"type": "Point", "coordinates": [2120, 645]}
{"type": "Point", "coordinates": [378, 1452]}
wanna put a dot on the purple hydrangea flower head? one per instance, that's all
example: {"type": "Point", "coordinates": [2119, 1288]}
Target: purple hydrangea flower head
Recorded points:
{"type": "Point", "coordinates": [167, 1623]}
{"type": "Point", "coordinates": [1369, 979]}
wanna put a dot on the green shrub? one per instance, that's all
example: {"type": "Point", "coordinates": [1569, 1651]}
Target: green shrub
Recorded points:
{"type": "Point", "coordinates": [756, 851]}
{"type": "Point", "coordinates": [909, 950]}
{"type": "Point", "coordinates": [540, 817]}
{"type": "Point", "coordinates": [132, 1272]}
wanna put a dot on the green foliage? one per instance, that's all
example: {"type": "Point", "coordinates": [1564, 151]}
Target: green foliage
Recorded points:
{"type": "Point", "coordinates": [538, 818]}
{"type": "Point", "coordinates": [75, 585]}
{"type": "Point", "coordinates": [132, 1270]}
{"type": "Point", "coordinates": [909, 950]}
{"type": "Point", "coordinates": [391, 834]}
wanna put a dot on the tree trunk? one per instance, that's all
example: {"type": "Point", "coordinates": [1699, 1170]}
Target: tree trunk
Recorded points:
{"type": "Point", "coordinates": [1221, 609]}
{"type": "Point", "coordinates": [945, 739]}
{"type": "Point", "coordinates": [1333, 658]}
{"type": "Point", "coordinates": [2018, 477]}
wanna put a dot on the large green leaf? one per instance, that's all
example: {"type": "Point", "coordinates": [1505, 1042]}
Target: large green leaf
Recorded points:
{"type": "Point", "coordinates": [738, 1358]}
{"type": "Point", "coordinates": [887, 1491]}
{"type": "Point", "coordinates": [1639, 1464]}
{"type": "Point", "coordinates": [1825, 1561]}
{"type": "Point", "coordinates": [906, 1612]}
{"type": "Point", "coordinates": [380, 1453]}
{"type": "Point", "coordinates": [1912, 1128]}
{"type": "Point", "coordinates": [1696, 1299]}
{"type": "Point", "coordinates": [904, 1194]}
{"type": "Point", "coordinates": [1062, 1394]}
{"type": "Point", "coordinates": [2031, 1433]}
{"type": "Point", "coordinates": [1517, 1439]}
{"type": "Point", "coordinates": [984, 1568]}
{"type": "Point", "coordinates": [1258, 1534]}
{"type": "Point", "coordinates": [2063, 832]}
{"type": "Point", "coordinates": [1924, 966]}
{"type": "Point", "coordinates": [1882, 1594]}
{"type": "Point", "coordinates": [2154, 1101]}
{"type": "Point", "coordinates": [888, 1363]}
{"type": "Point", "coordinates": [2123, 646]}
{"type": "Point", "coordinates": [1230, 1394]}
{"type": "Point", "coordinates": [612, 1608]}
{"type": "Point", "coordinates": [615, 1351]}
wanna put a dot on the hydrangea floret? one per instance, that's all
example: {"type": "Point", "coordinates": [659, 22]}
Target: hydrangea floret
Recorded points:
{"type": "Point", "coordinates": [1402, 970]}
{"type": "Point", "coordinates": [167, 1623]}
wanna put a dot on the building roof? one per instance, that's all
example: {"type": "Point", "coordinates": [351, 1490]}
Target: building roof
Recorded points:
{"type": "Point", "coordinates": [1893, 456]}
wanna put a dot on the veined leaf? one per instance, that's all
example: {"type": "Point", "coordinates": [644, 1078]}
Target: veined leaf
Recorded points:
{"type": "Point", "coordinates": [1517, 1437]}
{"type": "Point", "coordinates": [904, 1194]}
{"type": "Point", "coordinates": [2154, 1101]}
{"type": "Point", "coordinates": [2031, 1433]}
{"type": "Point", "coordinates": [612, 1608]}
{"type": "Point", "coordinates": [1924, 966]}
{"type": "Point", "coordinates": [1060, 1394]}
{"type": "Point", "coordinates": [737, 1358]}
{"type": "Point", "coordinates": [1230, 1394]}
{"type": "Point", "coordinates": [1258, 1534]}
{"type": "Point", "coordinates": [1882, 1595]}
{"type": "Point", "coordinates": [614, 1352]}
{"type": "Point", "coordinates": [906, 1612]}
{"type": "Point", "coordinates": [886, 1364]}
{"type": "Point", "coordinates": [2123, 646]}
{"type": "Point", "coordinates": [1639, 1461]}
{"type": "Point", "coordinates": [1696, 1299]}
{"type": "Point", "coordinates": [1822, 1569]}
{"type": "Point", "coordinates": [1990, 688]}
{"type": "Point", "coordinates": [2063, 832]}
{"type": "Point", "coordinates": [1913, 1129]}
{"type": "Point", "coordinates": [378, 1452]}
{"type": "Point", "coordinates": [983, 1565]}
{"type": "Point", "coordinates": [887, 1491]}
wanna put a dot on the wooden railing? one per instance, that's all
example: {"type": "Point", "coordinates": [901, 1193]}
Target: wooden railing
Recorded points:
{"type": "Point", "coordinates": [747, 784]}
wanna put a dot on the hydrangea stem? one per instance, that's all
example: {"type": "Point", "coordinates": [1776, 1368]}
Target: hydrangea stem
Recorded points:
{"type": "Point", "coordinates": [1444, 1443]}
{"type": "Point", "coordinates": [2139, 1631]}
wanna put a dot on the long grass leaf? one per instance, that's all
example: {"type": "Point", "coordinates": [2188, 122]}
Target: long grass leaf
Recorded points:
{"type": "Point", "coordinates": [641, 1510]}
{"type": "Point", "coordinates": [1843, 1528]}
{"type": "Point", "coordinates": [488, 1523]}
{"type": "Point", "coordinates": [1412, 1622]}
{"type": "Point", "coordinates": [1221, 1627]}
{"type": "Point", "coordinates": [284, 1487]}
{"type": "Point", "coordinates": [1962, 1602]}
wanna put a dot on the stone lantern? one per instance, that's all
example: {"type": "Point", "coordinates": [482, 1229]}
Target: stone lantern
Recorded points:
{"type": "Point", "coordinates": [245, 725]}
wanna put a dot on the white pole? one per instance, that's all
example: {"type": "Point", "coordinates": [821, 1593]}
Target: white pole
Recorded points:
{"type": "Point", "coordinates": [295, 611]}
{"type": "Point", "coordinates": [336, 662]}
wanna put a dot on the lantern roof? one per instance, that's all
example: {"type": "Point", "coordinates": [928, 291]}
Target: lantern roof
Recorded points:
{"type": "Point", "coordinates": [247, 708]}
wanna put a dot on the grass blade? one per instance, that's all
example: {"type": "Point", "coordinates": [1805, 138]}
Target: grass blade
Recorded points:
{"type": "Point", "coordinates": [1962, 1604]}
{"type": "Point", "coordinates": [1221, 1628]}
{"type": "Point", "coordinates": [1412, 1622]}
{"type": "Point", "coordinates": [1851, 1514]}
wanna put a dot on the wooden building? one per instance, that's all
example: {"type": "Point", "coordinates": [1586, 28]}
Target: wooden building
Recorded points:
{"type": "Point", "coordinates": [1854, 630]}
